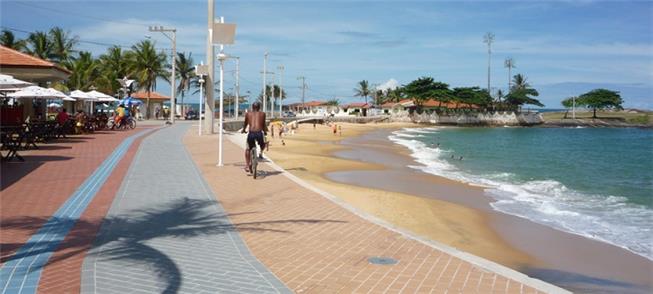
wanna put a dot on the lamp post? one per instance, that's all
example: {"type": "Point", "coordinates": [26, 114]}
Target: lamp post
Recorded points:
{"type": "Point", "coordinates": [280, 68]}
{"type": "Point", "coordinates": [237, 86]}
{"type": "Point", "coordinates": [173, 39]}
{"type": "Point", "coordinates": [265, 72]}
{"type": "Point", "coordinates": [201, 70]}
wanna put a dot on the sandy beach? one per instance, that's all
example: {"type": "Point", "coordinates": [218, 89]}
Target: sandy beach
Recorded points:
{"type": "Point", "coordinates": [368, 171]}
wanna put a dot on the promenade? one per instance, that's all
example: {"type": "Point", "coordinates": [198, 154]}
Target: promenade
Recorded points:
{"type": "Point", "coordinates": [148, 211]}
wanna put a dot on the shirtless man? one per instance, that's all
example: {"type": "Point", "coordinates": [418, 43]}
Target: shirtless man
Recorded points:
{"type": "Point", "coordinates": [257, 130]}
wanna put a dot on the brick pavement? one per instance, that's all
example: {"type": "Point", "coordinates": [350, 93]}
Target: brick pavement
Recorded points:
{"type": "Point", "coordinates": [34, 189]}
{"type": "Point", "coordinates": [315, 245]}
{"type": "Point", "coordinates": [165, 232]}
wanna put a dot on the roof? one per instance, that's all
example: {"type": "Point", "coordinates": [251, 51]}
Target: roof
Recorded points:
{"type": "Point", "coordinates": [12, 58]}
{"type": "Point", "coordinates": [314, 103]}
{"type": "Point", "coordinates": [153, 95]}
{"type": "Point", "coordinates": [356, 105]}
{"type": "Point", "coordinates": [429, 103]}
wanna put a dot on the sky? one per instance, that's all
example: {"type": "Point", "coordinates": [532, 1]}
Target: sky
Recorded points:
{"type": "Point", "coordinates": [564, 48]}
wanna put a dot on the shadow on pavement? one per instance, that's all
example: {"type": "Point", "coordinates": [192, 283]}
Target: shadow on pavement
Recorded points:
{"type": "Point", "coordinates": [125, 237]}
{"type": "Point", "coordinates": [13, 171]}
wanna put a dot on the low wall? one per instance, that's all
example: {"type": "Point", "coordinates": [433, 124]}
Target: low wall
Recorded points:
{"type": "Point", "coordinates": [490, 119]}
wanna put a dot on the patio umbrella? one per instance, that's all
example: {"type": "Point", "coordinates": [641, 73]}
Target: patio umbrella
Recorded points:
{"type": "Point", "coordinates": [82, 96]}
{"type": "Point", "coordinates": [36, 92]}
{"type": "Point", "coordinates": [131, 101]}
{"type": "Point", "coordinates": [101, 96]}
{"type": "Point", "coordinates": [53, 104]}
{"type": "Point", "coordinates": [8, 83]}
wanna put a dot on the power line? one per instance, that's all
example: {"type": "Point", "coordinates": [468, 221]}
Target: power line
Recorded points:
{"type": "Point", "coordinates": [67, 13]}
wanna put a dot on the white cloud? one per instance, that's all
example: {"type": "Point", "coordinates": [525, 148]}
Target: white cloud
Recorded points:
{"type": "Point", "coordinates": [389, 84]}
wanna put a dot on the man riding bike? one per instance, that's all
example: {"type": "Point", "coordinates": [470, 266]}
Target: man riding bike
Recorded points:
{"type": "Point", "coordinates": [257, 130]}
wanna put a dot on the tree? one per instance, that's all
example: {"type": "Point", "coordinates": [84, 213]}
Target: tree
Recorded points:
{"type": "Point", "coordinates": [363, 90]}
{"type": "Point", "coordinates": [425, 88]}
{"type": "Point", "coordinates": [39, 45]}
{"type": "Point", "coordinates": [601, 99]}
{"type": "Point", "coordinates": [146, 66]}
{"type": "Point", "coordinates": [85, 72]}
{"type": "Point", "coordinates": [268, 93]}
{"type": "Point", "coordinates": [332, 102]}
{"type": "Point", "coordinates": [8, 39]}
{"type": "Point", "coordinates": [113, 65]}
{"type": "Point", "coordinates": [472, 95]}
{"type": "Point", "coordinates": [522, 93]}
{"type": "Point", "coordinates": [62, 45]}
{"type": "Point", "coordinates": [568, 103]}
{"type": "Point", "coordinates": [185, 71]}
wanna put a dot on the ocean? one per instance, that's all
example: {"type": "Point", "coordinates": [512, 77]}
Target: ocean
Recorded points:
{"type": "Point", "coordinates": [594, 182]}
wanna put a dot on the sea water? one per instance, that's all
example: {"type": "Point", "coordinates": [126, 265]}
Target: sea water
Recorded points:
{"type": "Point", "coordinates": [594, 182]}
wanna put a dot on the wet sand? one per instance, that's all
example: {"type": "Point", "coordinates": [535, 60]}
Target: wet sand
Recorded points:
{"type": "Point", "coordinates": [370, 172]}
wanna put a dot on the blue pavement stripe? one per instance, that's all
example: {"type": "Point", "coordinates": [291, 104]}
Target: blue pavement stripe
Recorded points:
{"type": "Point", "coordinates": [22, 272]}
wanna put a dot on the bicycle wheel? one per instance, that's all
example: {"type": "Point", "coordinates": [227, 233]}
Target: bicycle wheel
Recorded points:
{"type": "Point", "coordinates": [254, 161]}
{"type": "Point", "coordinates": [132, 123]}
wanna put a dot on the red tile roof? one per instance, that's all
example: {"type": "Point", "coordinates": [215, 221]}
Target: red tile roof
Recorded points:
{"type": "Point", "coordinates": [153, 95]}
{"type": "Point", "coordinates": [11, 57]}
{"type": "Point", "coordinates": [356, 105]}
{"type": "Point", "coordinates": [314, 103]}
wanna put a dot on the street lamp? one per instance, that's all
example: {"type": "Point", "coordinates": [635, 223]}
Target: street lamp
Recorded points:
{"type": "Point", "coordinates": [173, 39]}
{"type": "Point", "coordinates": [265, 73]}
{"type": "Point", "coordinates": [201, 70]}
{"type": "Point", "coordinates": [280, 68]}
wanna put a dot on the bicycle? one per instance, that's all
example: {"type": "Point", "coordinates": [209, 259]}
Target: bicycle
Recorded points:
{"type": "Point", "coordinates": [253, 161]}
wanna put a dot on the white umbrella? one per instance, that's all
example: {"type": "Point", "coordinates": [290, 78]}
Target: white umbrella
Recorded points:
{"type": "Point", "coordinates": [82, 96]}
{"type": "Point", "coordinates": [36, 92]}
{"type": "Point", "coordinates": [101, 96]}
{"type": "Point", "coordinates": [53, 104]}
{"type": "Point", "coordinates": [8, 83]}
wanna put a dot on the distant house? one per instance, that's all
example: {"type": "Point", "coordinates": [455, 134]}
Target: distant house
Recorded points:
{"type": "Point", "coordinates": [356, 108]}
{"type": "Point", "coordinates": [431, 104]}
{"type": "Point", "coordinates": [152, 101]}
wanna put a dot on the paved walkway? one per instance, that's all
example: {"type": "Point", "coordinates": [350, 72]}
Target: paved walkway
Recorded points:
{"type": "Point", "coordinates": [166, 233]}
{"type": "Point", "coordinates": [315, 245]}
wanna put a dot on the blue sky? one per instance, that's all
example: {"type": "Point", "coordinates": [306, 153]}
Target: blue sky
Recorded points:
{"type": "Point", "coordinates": [563, 47]}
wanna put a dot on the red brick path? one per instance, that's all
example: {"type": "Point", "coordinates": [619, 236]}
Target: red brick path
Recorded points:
{"type": "Point", "coordinates": [33, 190]}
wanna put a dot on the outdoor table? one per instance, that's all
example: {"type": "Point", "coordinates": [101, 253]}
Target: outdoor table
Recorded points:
{"type": "Point", "coordinates": [11, 138]}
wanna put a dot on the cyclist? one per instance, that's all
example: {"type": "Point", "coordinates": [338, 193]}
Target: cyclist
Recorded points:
{"type": "Point", "coordinates": [257, 130]}
{"type": "Point", "coordinates": [119, 116]}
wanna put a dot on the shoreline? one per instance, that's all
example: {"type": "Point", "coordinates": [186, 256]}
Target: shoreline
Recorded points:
{"type": "Point", "coordinates": [450, 212]}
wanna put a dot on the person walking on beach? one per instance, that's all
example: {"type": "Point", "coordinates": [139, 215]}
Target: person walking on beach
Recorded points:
{"type": "Point", "coordinates": [335, 129]}
{"type": "Point", "coordinates": [340, 130]}
{"type": "Point", "coordinates": [257, 131]}
{"type": "Point", "coordinates": [272, 129]}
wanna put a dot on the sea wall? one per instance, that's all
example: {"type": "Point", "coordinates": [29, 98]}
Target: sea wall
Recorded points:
{"type": "Point", "coordinates": [489, 119]}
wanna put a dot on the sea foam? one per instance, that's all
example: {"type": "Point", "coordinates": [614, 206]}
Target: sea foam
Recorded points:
{"type": "Point", "coordinates": [608, 218]}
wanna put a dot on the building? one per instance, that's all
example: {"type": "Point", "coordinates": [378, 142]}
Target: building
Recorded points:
{"type": "Point", "coordinates": [32, 69]}
{"type": "Point", "coordinates": [152, 102]}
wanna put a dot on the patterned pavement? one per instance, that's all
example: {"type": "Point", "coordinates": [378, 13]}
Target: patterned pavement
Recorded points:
{"type": "Point", "coordinates": [166, 233]}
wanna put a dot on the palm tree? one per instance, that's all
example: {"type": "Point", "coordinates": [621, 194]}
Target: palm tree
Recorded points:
{"type": "Point", "coordinates": [146, 66]}
{"type": "Point", "coordinates": [113, 65]}
{"type": "Point", "coordinates": [519, 82]}
{"type": "Point", "coordinates": [85, 72]}
{"type": "Point", "coordinates": [62, 45]}
{"type": "Point", "coordinates": [8, 39]}
{"type": "Point", "coordinates": [363, 90]}
{"type": "Point", "coordinates": [39, 45]}
{"type": "Point", "coordinates": [521, 93]}
{"type": "Point", "coordinates": [185, 71]}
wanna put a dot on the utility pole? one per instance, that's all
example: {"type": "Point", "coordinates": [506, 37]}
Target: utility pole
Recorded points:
{"type": "Point", "coordinates": [237, 86]}
{"type": "Point", "coordinates": [303, 90]}
{"type": "Point", "coordinates": [265, 73]}
{"type": "Point", "coordinates": [173, 87]}
{"type": "Point", "coordinates": [280, 68]}
{"type": "Point", "coordinates": [209, 102]}
{"type": "Point", "coordinates": [510, 64]}
{"type": "Point", "coordinates": [488, 39]}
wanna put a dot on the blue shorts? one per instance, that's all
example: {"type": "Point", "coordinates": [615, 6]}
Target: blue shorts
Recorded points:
{"type": "Point", "coordinates": [254, 137]}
